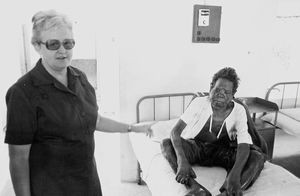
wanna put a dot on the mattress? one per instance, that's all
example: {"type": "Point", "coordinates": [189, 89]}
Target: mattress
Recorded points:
{"type": "Point", "coordinates": [160, 179]}
{"type": "Point", "coordinates": [287, 119]}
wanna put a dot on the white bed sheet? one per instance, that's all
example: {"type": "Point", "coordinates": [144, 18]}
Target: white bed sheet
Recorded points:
{"type": "Point", "coordinates": [273, 181]}
{"type": "Point", "coordinates": [287, 119]}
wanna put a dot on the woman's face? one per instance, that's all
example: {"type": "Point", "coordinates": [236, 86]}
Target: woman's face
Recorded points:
{"type": "Point", "coordinates": [221, 93]}
{"type": "Point", "coordinates": [58, 59]}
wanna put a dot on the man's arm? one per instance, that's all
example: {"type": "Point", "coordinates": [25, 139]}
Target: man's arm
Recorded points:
{"type": "Point", "coordinates": [19, 168]}
{"type": "Point", "coordinates": [242, 155]}
{"type": "Point", "coordinates": [233, 180]}
{"type": "Point", "coordinates": [176, 141]}
{"type": "Point", "coordinates": [184, 169]}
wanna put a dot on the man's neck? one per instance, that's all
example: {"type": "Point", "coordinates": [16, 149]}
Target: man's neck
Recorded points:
{"type": "Point", "coordinates": [221, 111]}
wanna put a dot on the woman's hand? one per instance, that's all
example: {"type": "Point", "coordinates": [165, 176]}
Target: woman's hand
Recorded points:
{"type": "Point", "coordinates": [143, 128]}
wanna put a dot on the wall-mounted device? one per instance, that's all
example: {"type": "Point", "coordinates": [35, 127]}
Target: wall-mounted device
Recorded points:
{"type": "Point", "coordinates": [206, 24]}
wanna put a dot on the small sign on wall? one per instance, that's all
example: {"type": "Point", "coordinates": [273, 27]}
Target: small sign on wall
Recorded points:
{"type": "Point", "coordinates": [203, 17]}
{"type": "Point", "coordinates": [206, 24]}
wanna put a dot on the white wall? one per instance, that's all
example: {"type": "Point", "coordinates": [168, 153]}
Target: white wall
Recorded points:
{"type": "Point", "coordinates": [10, 37]}
{"type": "Point", "coordinates": [157, 55]}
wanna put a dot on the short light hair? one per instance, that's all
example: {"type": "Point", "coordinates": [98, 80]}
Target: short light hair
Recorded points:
{"type": "Point", "coordinates": [45, 20]}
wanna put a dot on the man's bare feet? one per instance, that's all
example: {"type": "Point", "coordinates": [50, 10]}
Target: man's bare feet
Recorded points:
{"type": "Point", "coordinates": [223, 194]}
{"type": "Point", "coordinates": [197, 193]}
{"type": "Point", "coordinates": [198, 190]}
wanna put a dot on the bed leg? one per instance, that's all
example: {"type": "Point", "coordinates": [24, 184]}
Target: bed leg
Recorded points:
{"type": "Point", "coordinates": [139, 174]}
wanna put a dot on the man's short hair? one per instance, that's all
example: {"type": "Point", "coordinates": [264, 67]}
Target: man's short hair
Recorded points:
{"type": "Point", "coordinates": [227, 73]}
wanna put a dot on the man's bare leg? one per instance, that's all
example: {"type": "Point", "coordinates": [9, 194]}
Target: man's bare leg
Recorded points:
{"type": "Point", "coordinates": [194, 188]}
{"type": "Point", "coordinates": [251, 171]}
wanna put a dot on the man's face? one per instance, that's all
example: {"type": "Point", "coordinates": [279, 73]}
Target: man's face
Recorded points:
{"type": "Point", "coordinates": [221, 93]}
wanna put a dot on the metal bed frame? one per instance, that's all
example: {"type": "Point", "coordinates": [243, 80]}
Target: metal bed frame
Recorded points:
{"type": "Point", "coordinates": [281, 87]}
{"type": "Point", "coordinates": [186, 98]}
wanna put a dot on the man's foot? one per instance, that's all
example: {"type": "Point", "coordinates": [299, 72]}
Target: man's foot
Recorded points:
{"type": "Point", "coordinates": [198, 190]}
{"type": "Point", "coordinates": [223, 194]}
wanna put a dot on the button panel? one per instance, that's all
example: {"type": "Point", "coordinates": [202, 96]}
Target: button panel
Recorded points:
{"type": "Point", "coordinates": [208, 39]}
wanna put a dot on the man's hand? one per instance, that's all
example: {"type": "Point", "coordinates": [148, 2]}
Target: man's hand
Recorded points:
{"type": "Point", "coordinates": [231, 186]}
{"type": "Point", "coordinates": [184, 173]}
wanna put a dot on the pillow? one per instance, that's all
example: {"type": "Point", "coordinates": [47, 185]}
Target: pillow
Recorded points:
{"type": "Point", "coordinates": [269, 117]}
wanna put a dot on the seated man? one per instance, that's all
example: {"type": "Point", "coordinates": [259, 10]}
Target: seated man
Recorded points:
{"type": "Point", "coordinates": [213, 131]}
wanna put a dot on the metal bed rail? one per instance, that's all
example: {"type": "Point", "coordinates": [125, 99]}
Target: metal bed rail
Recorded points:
{"type": "Point", "coordinates": [282, 86]}
{"type": "Point", "coordinates": [185, 98]}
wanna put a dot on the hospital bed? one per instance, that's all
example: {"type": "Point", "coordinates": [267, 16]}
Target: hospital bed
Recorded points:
{"type": "Point", "coordinates": [154, 170]}
{"type": "Point", "coordinates": [286, 96]}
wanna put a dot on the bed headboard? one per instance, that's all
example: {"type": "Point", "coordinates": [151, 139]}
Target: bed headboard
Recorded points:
{"type": "Point", "coordinates": [284, 94]}
{"type": "Point", "coordinates": [163, 106]}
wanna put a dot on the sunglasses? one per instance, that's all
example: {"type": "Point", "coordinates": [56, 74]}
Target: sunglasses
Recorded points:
{"type": "Point", "coordinates": [54, 44]}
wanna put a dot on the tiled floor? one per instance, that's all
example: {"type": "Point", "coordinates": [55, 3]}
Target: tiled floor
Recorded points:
{"type": "Point", "coordinates": [109, 189]}
{"type": "Point", "coordinates": [125, 189]}
{"type": "Point", "coordinates": [287, 152]}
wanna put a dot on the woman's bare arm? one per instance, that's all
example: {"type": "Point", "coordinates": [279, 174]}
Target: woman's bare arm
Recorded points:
{"type": "Point", "coordinates": [105, 124]}
{"type": "Point", "coordinates": [19, 168]}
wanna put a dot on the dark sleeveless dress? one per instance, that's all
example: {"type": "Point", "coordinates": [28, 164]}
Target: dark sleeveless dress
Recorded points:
{"type": "Point", "coordinates": [215, 151]}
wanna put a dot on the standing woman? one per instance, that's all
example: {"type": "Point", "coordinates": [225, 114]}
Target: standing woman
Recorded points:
{"type": "Point", "coordinates": [52, 114]}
